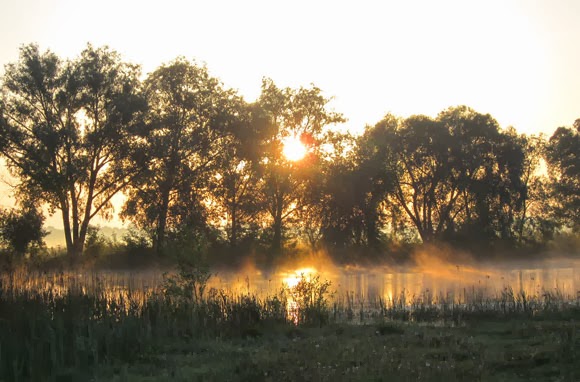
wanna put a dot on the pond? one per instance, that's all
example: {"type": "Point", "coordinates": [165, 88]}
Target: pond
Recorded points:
{"type": "Point", "coordinates": [434, 282]}
{"type": "Point", "coordinates": [429, 282]}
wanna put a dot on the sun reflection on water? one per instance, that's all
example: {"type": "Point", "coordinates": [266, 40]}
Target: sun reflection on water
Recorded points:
{"type": "Point", "coordinates": [365, 288]}
{"type": "Point", "coordinates": [291, 279]}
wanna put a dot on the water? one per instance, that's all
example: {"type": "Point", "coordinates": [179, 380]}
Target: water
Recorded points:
{"type": "Point", "coordinates": [430, 282]}
{"type": "Point", "coordinates": [436, 282]}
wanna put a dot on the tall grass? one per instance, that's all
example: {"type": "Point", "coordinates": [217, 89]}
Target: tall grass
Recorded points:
{"type": "Point", "coordinates": [63, 330]}
{"type": "Point", "coordinates": [59, 327]}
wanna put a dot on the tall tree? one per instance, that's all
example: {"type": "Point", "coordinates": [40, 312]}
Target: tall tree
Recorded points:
{"type": "Point", "coordinates": [184, 129]}
{"type": "Point", "coordinates": [422, 173]}
{"type": "Point", "coordinates": [237, 175]}
{"type": "Point", "coordinates": [563, 157]}
{"type": "Point", "coordinates": [320, 214]}
{"type": "Point", "coordinates": [451, 173]}
{"type": "Point", "coordinates": [487, 164]}
{"type": "Point", "coordinates": [67, 129]}
{"type": "Point", "coordinates": [355, 184]}
{"type": "Point", "coordinates": [534, 225]}
{"type": "Point", "coordinates": [300, 113]}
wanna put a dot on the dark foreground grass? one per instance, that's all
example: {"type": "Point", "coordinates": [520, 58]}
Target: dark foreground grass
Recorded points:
{"type": "Point", "coordinates": [528, 350]}
{"type": "Point", "coordinates": [186, 333]}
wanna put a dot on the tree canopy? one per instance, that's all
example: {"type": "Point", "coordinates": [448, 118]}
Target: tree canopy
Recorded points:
{"type": "Point", "coordinates": [67, 129]}
{"type": "Point", "coordinates": [198, 163]}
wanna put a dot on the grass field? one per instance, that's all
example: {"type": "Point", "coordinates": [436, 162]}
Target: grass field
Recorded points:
{"type": "Point", "coordinates": [185, 331]}
{"type": "Point", "coordinates": [512, 350]}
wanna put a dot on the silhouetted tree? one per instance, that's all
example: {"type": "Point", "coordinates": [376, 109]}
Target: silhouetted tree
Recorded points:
{"type": "Point", "coordinates": [22, 229]}
{"type": "Point", "coordinates": [420, 163]}
{"type": "Point", "coordinates": [319, 214]}
{"type": "Point", "coordinates": [66, 131]}
{"type": "Point", "coordinates": [184, 129]}
{"type": "Point", "coordinates": [235, 184]}
{"type": "Point", "coordinates": [300, 113]}
{"type": "Point", "coordinates": [456, 174]}
{"type": "Point", "coordinates": [488, 165]}
{"type": "Point", "coordinates": [531, 214]}
{"type": "Point", "coordinates": [563, 157]}
{"type": "Point", "coordinates": [355, 186]}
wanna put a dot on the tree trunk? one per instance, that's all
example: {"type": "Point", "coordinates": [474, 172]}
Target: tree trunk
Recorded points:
{"type": "Point", "coordinates": [371, 227]}
{"type": "Point", "coordinates": [69, 240]}
{"type": "Point", "coordinates": [75, 244]}
{"type": "Point", "coordinates": [426, 235]}
{"type": "Point", "coordinates": [277, 239]}
{"type": "Point", "coordinates": [159, 244]}
{"type": "Point", "coordinates": [278, 209]}
{"type": "Point", "coordinates": [234, 230]}
{"type": "Point", "coordinates": [78, 247]}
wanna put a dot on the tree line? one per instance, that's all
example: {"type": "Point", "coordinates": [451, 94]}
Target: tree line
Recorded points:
{"type": "Point", "coordinates": [199, 164]}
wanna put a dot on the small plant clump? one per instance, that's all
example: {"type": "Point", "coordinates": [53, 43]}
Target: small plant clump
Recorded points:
{"type": "Point", "coordinates": [310, 305]}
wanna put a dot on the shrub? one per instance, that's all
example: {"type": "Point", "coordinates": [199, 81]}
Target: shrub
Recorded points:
{"type": "Point", "coordinates": [21, 230]}
{"type": "Point", "coordinates": [310, 300]}
{"type": "Point", "coordinates": [189, 284]}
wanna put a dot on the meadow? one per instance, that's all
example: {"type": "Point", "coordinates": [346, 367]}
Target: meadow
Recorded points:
{"type": "Point", "coordinates": [114, 326]}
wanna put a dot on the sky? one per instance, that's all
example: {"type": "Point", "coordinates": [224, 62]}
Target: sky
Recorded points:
{"type": "Point", "coordinates": [518, 60]}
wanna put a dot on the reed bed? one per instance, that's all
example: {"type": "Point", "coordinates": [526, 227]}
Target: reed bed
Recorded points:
{"type": "Point", "coordinates": [472, 303]}
{"type": "Point", "coordinates": [60, 326]}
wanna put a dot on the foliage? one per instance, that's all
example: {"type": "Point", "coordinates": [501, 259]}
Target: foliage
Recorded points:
{"type": "Point", "coordinates": [200, 164]}
{"type": "Point", "coordinates": [310, 299]}
{"type": "Point", "coordinates": [67, 129]}
{"type": "Point", "coordinates": [236, 176]}
{"type": "Point", "coordinates": [21, 230]}
{"type": "Point", "coordinates": [354, 194]}
{"type": "Point", "coordinates": [451, 177]}
{"type": "Point", "coordinates": [136, 242]}
{"type": "Point", "coordinates": [185, 122]}
{"type": "Point", "coordinates": [96, 243]}
{"type": "Point", "coordinates": [563, 157]}
{"type": "Point", "coordinates": [189, 284]}
{"type": "Point", "coordinates": [302, 113]}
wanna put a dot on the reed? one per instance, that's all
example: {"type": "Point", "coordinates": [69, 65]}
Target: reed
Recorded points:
{"type": "Point", "coordinates": [62, 326]}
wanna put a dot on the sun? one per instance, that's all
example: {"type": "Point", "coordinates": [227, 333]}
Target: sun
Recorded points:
{"type": "Point", "coordinates": [293, 149]}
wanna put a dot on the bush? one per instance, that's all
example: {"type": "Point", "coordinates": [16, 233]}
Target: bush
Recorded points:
{"type": "Point", "coordinates": [137, 243]}
{"type": "Point", "coordinates": [21, 230]}
{"type": "Point", "coordinates": [310, 300]}
{"type": "Point", "coordinates": [96, 243]}
{"type": "Point", "coordinates": [190, 283]}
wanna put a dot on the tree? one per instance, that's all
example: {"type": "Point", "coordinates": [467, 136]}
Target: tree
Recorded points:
{"type": "Point", "coordinates": [68, 132]}
{"type": "Point", "coordinates": [423, 180]}
{"type": "Point", "coordinates": [318, 214]}
{"type": "Point", "coordinates": [453, 175]}
{"type": "Point", "coordinates": [22, 229]}
{"type": "Point", "coordinates": [533, 148]}
{"type": "Point", "coordinates": [354, 186]}
{"type": "Point", "coordinates": [236, 177]}
{"type": "Point", "coordinates": [184, 129]}
{"type": "Point", "coordinates": [563, 158]}
{"type": "Point", "coordinates": [490, 167]}
{"type": "Point", "coordinates": [299, 113]}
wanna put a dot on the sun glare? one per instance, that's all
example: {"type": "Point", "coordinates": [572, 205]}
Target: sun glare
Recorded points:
{"type": "Point", "coordinates": [293, 149]}
{"type": "Point", "coordinates": [292, 279]}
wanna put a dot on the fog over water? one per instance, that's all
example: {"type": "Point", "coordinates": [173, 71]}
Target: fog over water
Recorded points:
{"type": "Point", "coordinates": [435, 276]}
{"type": "Point", "coordinates": [432, 278]}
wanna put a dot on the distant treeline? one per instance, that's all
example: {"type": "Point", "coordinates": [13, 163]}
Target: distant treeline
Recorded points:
{"type": "Point", "coordinates": [200, 166]}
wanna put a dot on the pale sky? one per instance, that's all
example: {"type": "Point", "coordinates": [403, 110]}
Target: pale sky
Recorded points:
{"type": "Point", "coordinates": [518, 60]}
